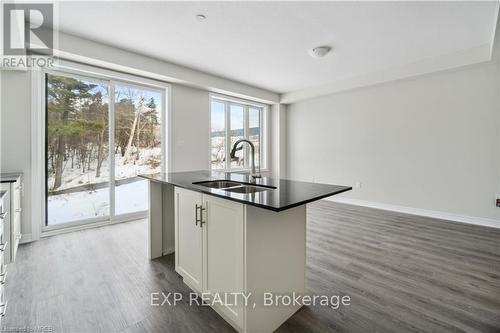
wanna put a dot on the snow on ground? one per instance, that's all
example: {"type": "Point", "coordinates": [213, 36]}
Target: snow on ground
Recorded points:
{"type": "Point", "coordinates": [73, 177]}
{"type": "Point", "coordinates": [129, 198]}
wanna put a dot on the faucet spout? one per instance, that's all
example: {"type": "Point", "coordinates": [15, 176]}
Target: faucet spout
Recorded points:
{"type": "Point", "coordinates": [254, 174]}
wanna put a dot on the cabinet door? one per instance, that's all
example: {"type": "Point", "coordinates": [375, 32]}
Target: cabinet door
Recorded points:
{"type": "Point", "coordinates": [16, 218]}
{"type": "Point", "coordinates": [223, 249]}
{"type": "Point", "coordinates": [188, 238]}
{"type": "Point", "coordinates": [7, 230]}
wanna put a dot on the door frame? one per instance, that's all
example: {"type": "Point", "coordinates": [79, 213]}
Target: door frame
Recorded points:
{"type": "Point", "coordinates": [38, 142]}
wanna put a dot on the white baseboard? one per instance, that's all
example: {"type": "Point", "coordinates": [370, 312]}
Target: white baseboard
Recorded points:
{"type": "Point", "coordinates": [25, 238]}
{"type": "Point", "coordinates": [420, 212]}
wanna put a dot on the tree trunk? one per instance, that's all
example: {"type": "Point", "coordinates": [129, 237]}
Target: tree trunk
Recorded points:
{"type": "Point", "coordinates": [61, 143]}
{"type": "Point", "coordinates": [100, 150]}
{"type": "Point", "coordinates": [59, 162]}
{"type": "Point", "coordinates": [90, 158]}
{"type": "Point", "coordinates": [131, 137]}
{"type": "Point", "coordinates": [83, 157]}
{"type": "Point", "coordinates": [137, 140]}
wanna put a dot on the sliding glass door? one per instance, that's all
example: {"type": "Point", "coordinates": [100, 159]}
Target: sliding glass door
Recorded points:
{"type": "Point", "coordinates": [138, 145]}
{"type": "Point", "coordinates": [100, 134]}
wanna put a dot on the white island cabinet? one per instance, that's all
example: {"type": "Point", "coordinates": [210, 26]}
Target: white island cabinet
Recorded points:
{"type": "Point", "coordinates": [230, 250]}
{"type": "Point", "coordinates": [209, 246]}
{"type": "Point", "coordinates": [234, 248]}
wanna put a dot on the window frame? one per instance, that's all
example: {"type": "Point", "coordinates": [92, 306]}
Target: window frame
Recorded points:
{"type": "Point", "coordinates": [75, 70]}
{"type": "Point", "coordinates": [263, 133]}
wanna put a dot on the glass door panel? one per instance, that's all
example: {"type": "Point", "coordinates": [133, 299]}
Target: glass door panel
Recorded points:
{"type": "Point", "coordinates": [137, 145]}
{"type": "Point", "coordinates": [237, 120]}
{"type": "Point", "coordinates": [77, 156]}
{"type": "Point", "coordinates": [218, 135]}
{"type": "Point", "coordinates": [254, 131]}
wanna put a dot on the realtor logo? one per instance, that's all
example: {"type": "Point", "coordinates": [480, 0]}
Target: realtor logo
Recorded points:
{"type": "Point", "coordinates": [28, 29]}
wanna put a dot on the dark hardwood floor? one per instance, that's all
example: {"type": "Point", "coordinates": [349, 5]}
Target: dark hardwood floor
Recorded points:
{"type": "Point", "coordinates": [403, 274]}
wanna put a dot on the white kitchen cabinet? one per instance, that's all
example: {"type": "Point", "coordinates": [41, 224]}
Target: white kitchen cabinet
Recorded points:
{"type": "Point", "coordinates": [10, 227]}
{"type": "Point", "coordinates": [223, 248]}
{"type": "Point", "coordinates": [223, 253]}
{"type": "Point", "coordinates": [189, 238]}
{"type": "Point", "coordinates": [12, 220]}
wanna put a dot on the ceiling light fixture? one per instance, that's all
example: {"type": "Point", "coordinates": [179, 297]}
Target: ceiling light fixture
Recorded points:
{"type": "Point", "coordinates": [200, 17]}
{"type": "Point", "coordinates": [320, 51]}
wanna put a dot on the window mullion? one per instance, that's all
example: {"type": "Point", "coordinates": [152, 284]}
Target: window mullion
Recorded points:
{"type": "Point", "coordinates": [111, 149]}
{"type": "Point", "coordinates": [227, 117]}
{"type": "Point", "coordinates": [245, 135]}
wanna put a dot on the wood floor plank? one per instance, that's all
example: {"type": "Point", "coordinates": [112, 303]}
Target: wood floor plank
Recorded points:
{"type": "Point", "coordinates": [403, 273]}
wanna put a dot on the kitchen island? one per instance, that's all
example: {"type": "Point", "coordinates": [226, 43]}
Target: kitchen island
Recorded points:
{"type": "Point", "coordinates": [235, 239]}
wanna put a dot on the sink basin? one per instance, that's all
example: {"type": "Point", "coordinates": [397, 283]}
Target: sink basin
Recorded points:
{"type": "Point", "coordinates": [234, 187]}
{"type": "Point", "coordinates": [247, 189]}
{"type": "Point", "coordinates": [218, 183]}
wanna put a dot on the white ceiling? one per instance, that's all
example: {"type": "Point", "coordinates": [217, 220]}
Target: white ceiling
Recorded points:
{"type": "Point", "coordinates": [266, 44]}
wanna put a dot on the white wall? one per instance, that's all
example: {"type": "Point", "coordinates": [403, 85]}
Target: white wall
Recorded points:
{"type": "Point", "coordinates": [430, 142]}
{"type": "Point", "coordinates": [86, 51]}
{"type": "Point", "coordinates": [15, 133]}
{"type": "Point", "coordinates": [190, 130]}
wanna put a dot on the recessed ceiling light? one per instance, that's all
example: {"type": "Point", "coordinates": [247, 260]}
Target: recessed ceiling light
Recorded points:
{"type": "Point", "coordinates": [320, 51]}
{"type": "Point", "coordinates": [200, 17]}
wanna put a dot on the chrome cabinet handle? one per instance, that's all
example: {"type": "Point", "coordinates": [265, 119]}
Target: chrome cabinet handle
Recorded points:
{"type": "Point", "coordinates": [3, 246]}
{"type": "Point", "coordinates": [196, 214]}
{"type": "Point", "coordinates": [201, 216]}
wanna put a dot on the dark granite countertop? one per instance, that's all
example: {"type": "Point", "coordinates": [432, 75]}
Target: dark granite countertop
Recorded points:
{"type": "Point", "coordinates": [288, 193]}
{"type": "Point", "coordinates": [9, 177]}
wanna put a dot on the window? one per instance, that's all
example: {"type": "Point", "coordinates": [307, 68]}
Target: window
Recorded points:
{"type": "Point", "coordinates": [100, 134]}
{"type": "Point", "coordinates": [232, 120]}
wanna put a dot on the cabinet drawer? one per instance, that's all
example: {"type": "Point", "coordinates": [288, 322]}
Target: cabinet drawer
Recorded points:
{"type": "Point", "coordinates": [3, 267]}
{"type": "Point", "coordinates": [2, 233]}
{"type": "Point", "coordinates": [3, 302]}
{"type": "Point", "coordinates": [3, 249]}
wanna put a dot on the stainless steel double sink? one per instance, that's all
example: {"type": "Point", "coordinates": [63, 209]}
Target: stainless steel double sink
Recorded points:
{"type": "Point", "coordinates": [234, 186]}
